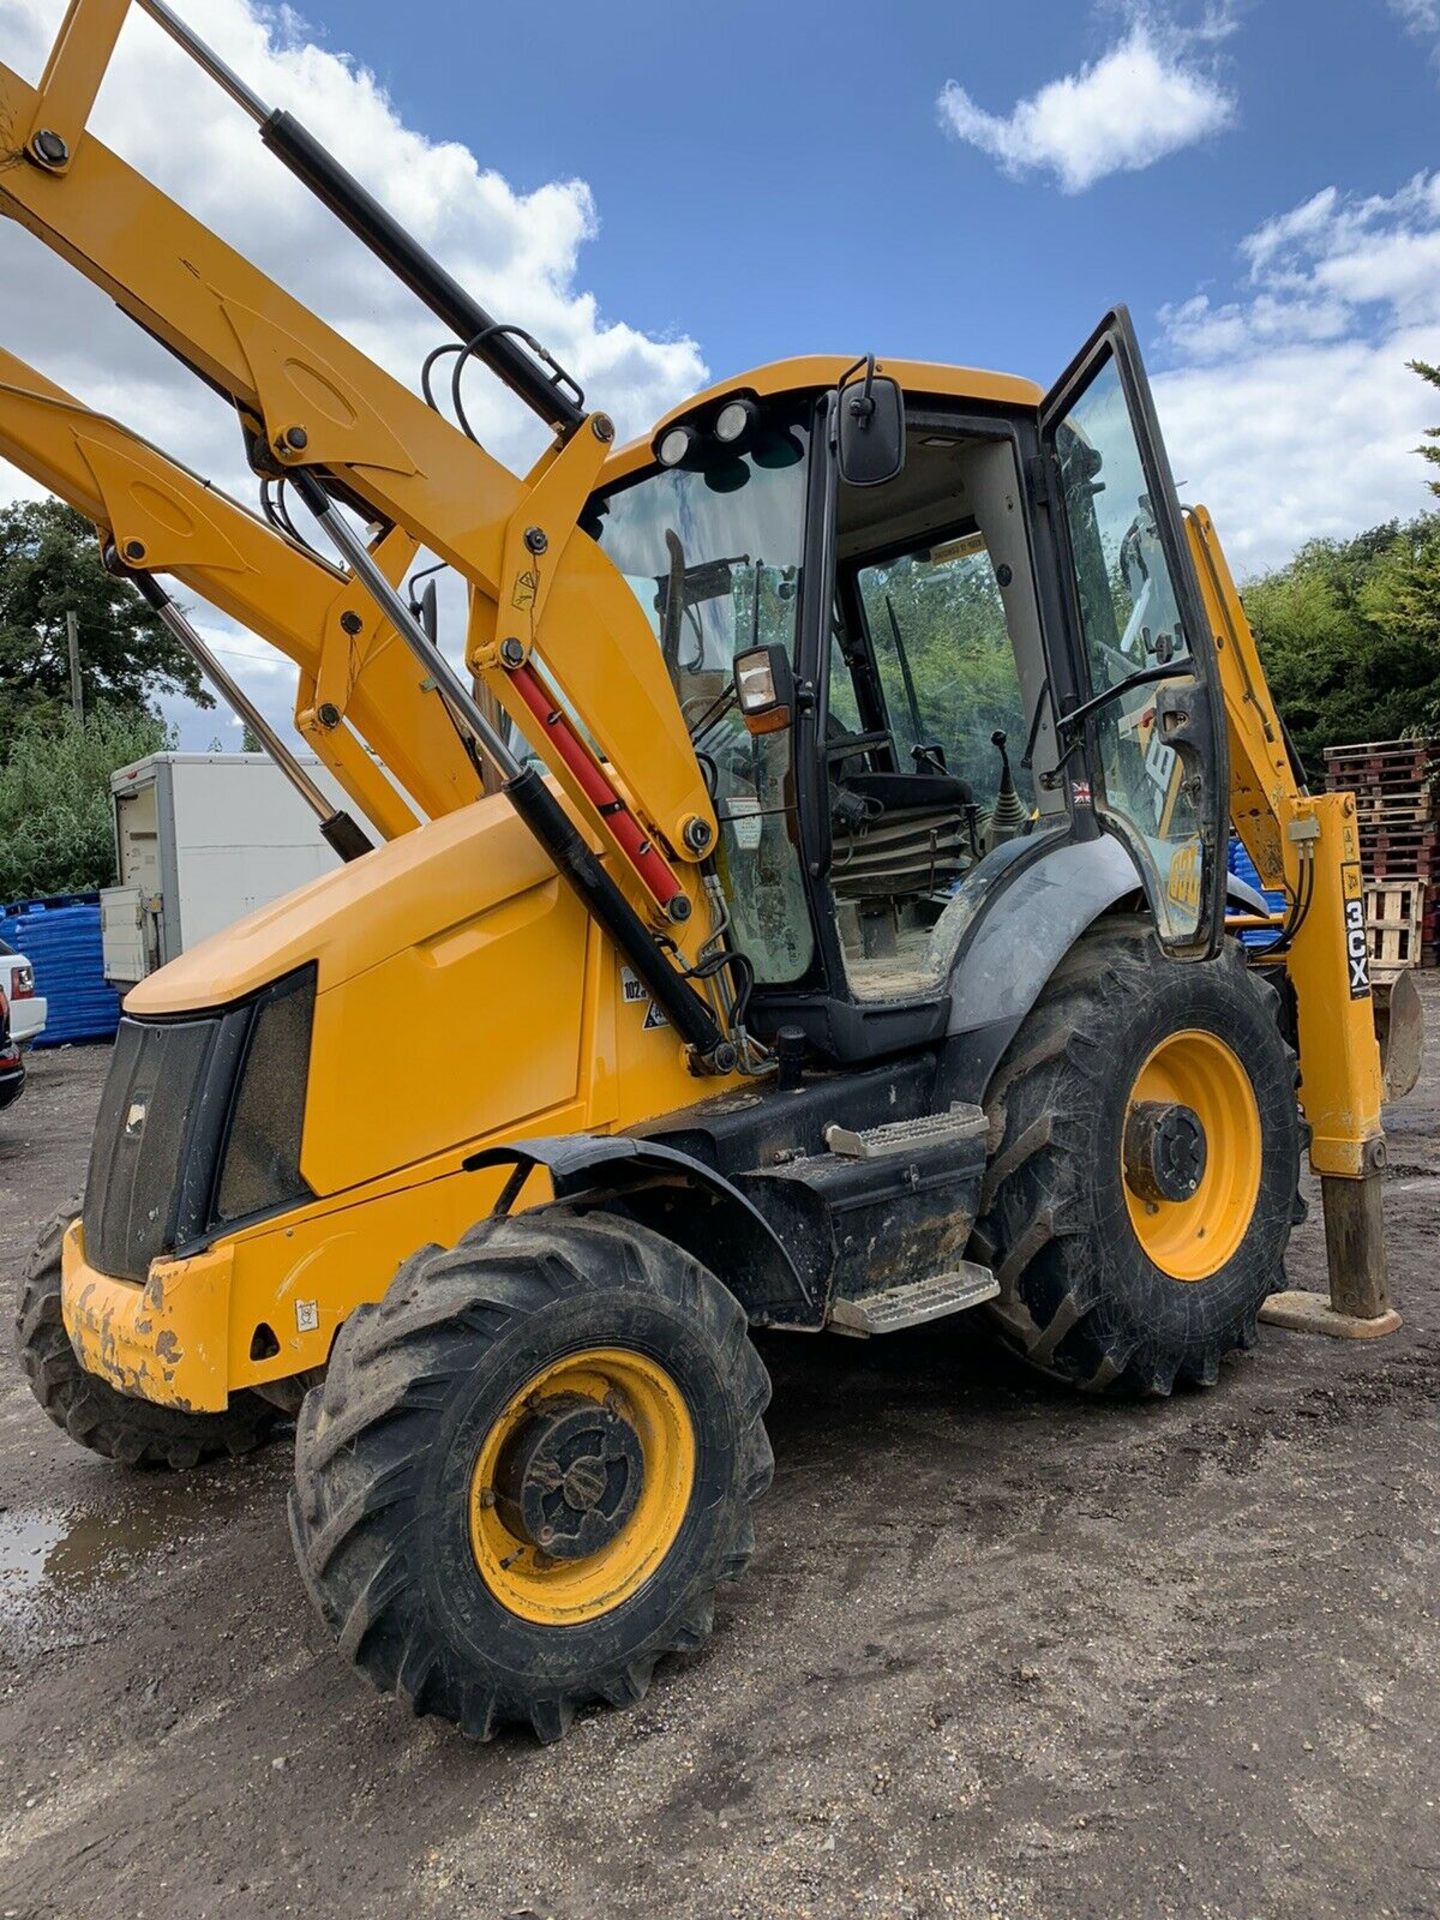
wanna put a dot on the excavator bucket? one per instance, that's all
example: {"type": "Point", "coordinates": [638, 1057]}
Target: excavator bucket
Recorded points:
{"type": "Point", "coordinates": [1400, 1029]}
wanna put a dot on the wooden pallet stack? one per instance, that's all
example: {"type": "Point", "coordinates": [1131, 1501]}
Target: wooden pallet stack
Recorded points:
{"type": "Point", "coordinates": [1396, 784]}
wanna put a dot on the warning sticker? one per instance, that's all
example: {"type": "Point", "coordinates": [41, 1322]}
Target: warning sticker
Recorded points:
{"type": "Point", "coordinates": [743, 819]}
{"type": "Point", "coordinates": [1357, 952]}
{"type": "Point", "coordinates": [960, 549]}
{"type": "Point", "coordinates": [634, 993]}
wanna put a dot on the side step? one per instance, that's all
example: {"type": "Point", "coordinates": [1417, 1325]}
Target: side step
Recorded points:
{"type": "Point", "coordinates": [907, 1136]}
{"type": "Point", "coordinates": [914, 1303]}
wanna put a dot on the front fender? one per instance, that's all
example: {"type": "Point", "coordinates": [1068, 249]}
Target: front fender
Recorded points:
{"type": "Point", "coordinates": [677, 1196]}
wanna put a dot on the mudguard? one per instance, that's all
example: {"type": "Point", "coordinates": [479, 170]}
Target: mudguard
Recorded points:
{"type": "Point", "coordinates": [679, 1197]}
{"type": "Point", "coordinates": [1009, 937]}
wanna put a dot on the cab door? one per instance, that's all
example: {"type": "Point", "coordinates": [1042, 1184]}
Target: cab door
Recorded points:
{"type": "Point", "coordinates": [1152, 716]}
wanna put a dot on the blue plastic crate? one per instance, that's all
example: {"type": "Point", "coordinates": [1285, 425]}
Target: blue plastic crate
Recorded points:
{"type": "Point", "coordinates": [61, 940]}
{"type": "Point", "coordinates": [1243, 868]}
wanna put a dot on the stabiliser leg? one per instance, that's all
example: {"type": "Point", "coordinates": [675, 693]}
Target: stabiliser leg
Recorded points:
{"type": "Point", "coordinates": [1359, 1305]}
{"type": "Point", "coordinates": [1341, 1081]}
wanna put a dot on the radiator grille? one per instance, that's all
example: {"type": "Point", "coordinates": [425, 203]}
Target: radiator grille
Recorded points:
{"type": "Point", "coordinates": [154, 1089]}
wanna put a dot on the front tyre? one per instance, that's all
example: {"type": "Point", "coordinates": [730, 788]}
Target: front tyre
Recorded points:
{"type": "Point", "coordinates": [528, 1469]}
{"type": "Point", "coordinates": [1145, 1147]}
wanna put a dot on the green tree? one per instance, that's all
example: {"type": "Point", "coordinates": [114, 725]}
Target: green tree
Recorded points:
{"type": "Point", "coordinates": [1349, 632]}
{"type": "Point", "coordinates": [50, 565]}
{"type": "Point", "coordinates": [1432, 374]}
{"type": "Point", "coordinates": [1400, 594]}
{"type": "Point", "coordinates": [56, 834]}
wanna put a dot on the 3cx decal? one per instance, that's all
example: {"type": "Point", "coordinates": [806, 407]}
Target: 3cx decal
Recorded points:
{"type": "Point", "coordinates": [1357, 952]}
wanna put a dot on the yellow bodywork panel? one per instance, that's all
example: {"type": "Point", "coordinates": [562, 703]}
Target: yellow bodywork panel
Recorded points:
{"type": "Point", "coordinates": [463, 999]}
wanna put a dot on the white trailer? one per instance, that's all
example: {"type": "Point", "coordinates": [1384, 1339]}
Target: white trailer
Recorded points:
{"type": "Point", "coordinates": [200, 839]}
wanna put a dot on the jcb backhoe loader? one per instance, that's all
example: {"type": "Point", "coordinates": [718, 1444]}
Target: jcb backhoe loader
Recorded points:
{"type": "Point", "coordinates": [843, 940]}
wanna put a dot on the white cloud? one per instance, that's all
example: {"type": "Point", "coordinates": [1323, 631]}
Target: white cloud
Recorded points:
{"type": "Point", "coordinates": [518, 253]}
{"type": "Point", "coordinates": [1289, 407]}
{"type": "Point", "coordinates": [1421, 20]}
{"type": "Point", "coordinates": [1420, 17]}
{"type": "Point", "coordinates": [1149, 95]}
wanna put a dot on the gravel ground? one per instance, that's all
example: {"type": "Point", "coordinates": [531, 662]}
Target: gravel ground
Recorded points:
{"type": "Point", "coordinates": [1001, 1651]}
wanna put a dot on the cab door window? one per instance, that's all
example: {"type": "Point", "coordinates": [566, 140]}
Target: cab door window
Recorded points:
{"type": "Point", "coordinates": [1138, 612]}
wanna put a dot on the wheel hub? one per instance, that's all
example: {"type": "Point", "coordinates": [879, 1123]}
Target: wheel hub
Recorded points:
{"type": "Point", "coordinates": [1165, 1150]}
{"type": "Point", "coordinates": [570, 1476]}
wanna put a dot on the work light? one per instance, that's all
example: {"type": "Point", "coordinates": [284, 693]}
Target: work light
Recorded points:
{"type": "Point", "coordinates": [733, 421]}
{"type": "Point", "coordinates": [673, 445]}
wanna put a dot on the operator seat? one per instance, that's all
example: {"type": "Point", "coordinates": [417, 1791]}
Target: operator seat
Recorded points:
{"type": "Point", "coordinates": [895, 836]}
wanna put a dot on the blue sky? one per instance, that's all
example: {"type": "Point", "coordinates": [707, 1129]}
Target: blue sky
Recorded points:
{"type": "Point", "coordinates": [667, 193]}
{"type": "Point", "coordinates": [773, 177]}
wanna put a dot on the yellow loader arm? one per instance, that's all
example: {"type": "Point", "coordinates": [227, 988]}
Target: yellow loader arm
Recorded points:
{"type": "Point", "coordinates": [171, 522]}
{"type": "Point", "coordinates": [317, 400]}
{"type": "Point", "coordinates": [554, 629]}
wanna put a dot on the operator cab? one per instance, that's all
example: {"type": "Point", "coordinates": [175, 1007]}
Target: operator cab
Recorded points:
{"type": "Point", "coordinates": [872, 670]}
{"type": "Point", "coordinates": [936, 674]}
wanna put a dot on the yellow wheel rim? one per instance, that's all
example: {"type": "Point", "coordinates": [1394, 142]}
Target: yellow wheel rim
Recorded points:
{"type": "Point", "coordinates": [1191, 1239]}
{"type": "Point", "coordinates": [567, 1591]}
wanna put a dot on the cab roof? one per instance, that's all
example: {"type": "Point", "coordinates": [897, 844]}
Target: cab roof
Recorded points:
{"type": "Point", "coordinates": [815, 371]}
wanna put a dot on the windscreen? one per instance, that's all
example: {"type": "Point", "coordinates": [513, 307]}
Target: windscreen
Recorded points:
{"type": "Point", "coordinates": [712, 550]}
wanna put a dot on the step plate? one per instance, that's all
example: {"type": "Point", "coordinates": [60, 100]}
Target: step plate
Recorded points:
{"type": "Point", "coordinates": [902, 1137]}
{"type": "Point", "coordinates": [912, 1305]}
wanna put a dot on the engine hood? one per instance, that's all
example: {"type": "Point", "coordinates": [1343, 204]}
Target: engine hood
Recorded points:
{"type": "Point", "coordinates": [407, 892]}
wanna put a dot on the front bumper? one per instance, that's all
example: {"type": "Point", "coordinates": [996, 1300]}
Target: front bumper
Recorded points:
{"type": "Point", "coordinates": [166, 1341]}
{"type": "Point", "coordinates": [264, 1306]}
{"type": "Point", "coordinates": [27, 1018]}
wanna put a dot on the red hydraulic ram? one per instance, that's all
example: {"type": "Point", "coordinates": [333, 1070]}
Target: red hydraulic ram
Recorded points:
{"type": "Point", "coordinates": [639, 849]}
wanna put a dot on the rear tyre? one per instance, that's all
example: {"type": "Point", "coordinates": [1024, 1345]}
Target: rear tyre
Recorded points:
{"type": "Point", "coordinates": [1144, 1141]}
{"type": "Point", "coordinates": [90, 1411]}
{"type": "Point", "coordinates": [529, 1467]}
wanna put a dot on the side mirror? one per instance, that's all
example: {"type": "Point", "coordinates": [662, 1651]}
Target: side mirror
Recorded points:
{"type": "Point", "coordinates": [871, 429]}
{"type": "Point", "coordinates": [765, 688]}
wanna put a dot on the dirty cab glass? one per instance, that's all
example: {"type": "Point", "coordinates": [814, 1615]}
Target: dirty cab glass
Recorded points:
{"type": "Point", "coordinates": [712, 551]}
{"type": "Point", "coordinates": [946, 663]}
{"type": "Point", "coordinates": [1131, 619]}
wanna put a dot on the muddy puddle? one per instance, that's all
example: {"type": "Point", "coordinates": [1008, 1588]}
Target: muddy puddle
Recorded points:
{"type": "Point", "coordinates": [55, 1553]}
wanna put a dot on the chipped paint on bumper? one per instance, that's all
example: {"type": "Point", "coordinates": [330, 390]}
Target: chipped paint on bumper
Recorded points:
{"type": "Point", "coordinates": [166, 1341]}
